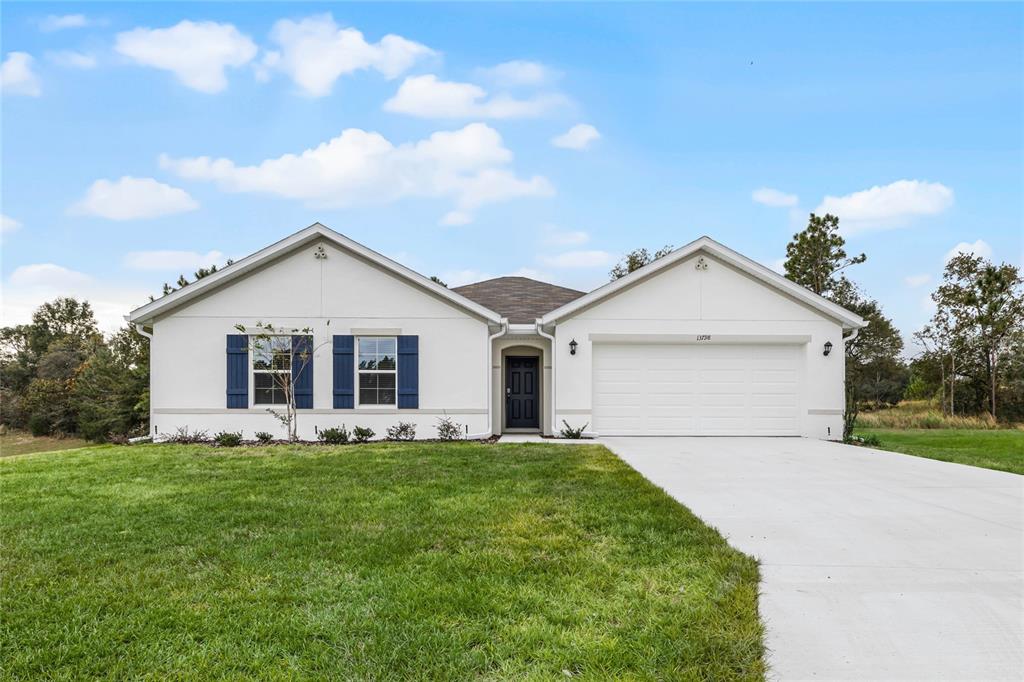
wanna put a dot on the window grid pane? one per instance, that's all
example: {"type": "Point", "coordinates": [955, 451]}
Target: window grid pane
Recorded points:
{"type": "Point", "coordinates": [377, 372]}
{"type": "Point", "coordinates": [271, 364]}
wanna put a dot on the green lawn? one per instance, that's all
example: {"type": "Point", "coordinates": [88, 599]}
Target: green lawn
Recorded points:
{"type": "Point", "coordinates": [23, 443]}
{"type": "Point", "coordinates": [1001, 449]}
{"type": "Point", "coordinates": [379, 561]}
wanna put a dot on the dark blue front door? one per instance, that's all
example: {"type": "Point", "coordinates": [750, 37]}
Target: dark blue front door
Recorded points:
{"type": "Point", "coordinates": [521, 393]}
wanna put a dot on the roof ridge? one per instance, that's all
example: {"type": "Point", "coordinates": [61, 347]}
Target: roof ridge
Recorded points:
{"type": "Point", "coordinates": [522, 277]}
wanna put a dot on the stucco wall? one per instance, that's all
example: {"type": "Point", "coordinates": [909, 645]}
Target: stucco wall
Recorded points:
{"type": "Point", "coordinates": [341, 294]}
{"type": "Point", "coordinates": [720, 300]}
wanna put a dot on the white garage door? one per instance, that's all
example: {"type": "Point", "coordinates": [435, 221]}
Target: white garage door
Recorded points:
{"type": "Point", "coordinates": [696, 390]}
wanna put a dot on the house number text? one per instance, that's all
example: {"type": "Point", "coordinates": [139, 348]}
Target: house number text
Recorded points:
{"type": "Point", "coordinates": [703, 337]}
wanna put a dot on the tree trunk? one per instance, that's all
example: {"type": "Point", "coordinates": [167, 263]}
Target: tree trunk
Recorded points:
{"type": "Point", "coordinates": [952, 385]}
{"type": "Point", "coordinates": [992, 376]}
{"type": "Point", "coordinates": [942, 382]}
{"type": "Point", "coordinates": [850, 414]}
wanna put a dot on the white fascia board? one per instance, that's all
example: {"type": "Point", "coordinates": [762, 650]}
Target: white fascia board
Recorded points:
{"type": "Point", "coordinates": [701, 339]}
{"type": "Point", "coordinates": [848, 319]}
{"type": "Point", "coordinates": [315, 231]}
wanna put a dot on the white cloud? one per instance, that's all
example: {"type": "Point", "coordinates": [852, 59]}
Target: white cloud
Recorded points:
{"type": "Point", "coordinates": [773, 197]}
{"type": "Point", "coordinates": [779, 265]}
{"type": "Point", "coordinates": [315, 52]}
{"type": "Point", "coordinates": [8, 224]}
{"type": "Point", "coordinates": [455, 219]}
{"type": "Point", "coordinates": [518, 72]}
{"type": "Point", "coordinates": [556, 237]}
{"type": "Point", "coordinates": [171, 260]}
{"type": "Point", "coordinates": [361, 167]}
{"type": "Point", "coordinates": [29, 286]}
{"type": "Point", "coordinates": [530, 273]}
{"type": "Point", "coordinates": [57, 22]}
{"type": "Point", "coordinates": [888, 206]}
{"type": "Point", "coordinates": [579, 259]}
{"type": "Point", "coordinates": [17, 76]}
{"type": "Point", "coordinates": [47, 274]}
{"type": "Point", "coordinates": [72, 60]}
{"type": "Point", "coordinates": [133, 198]}
{"type": "Point", "coordinates": [197, 53]}
{"type": "Point", "coordinates": [457, 278]}
{"type": "Point", "coordinates": [978, 248]}
{"type": "Point", "coordinates": [578, 137]}
{"type": "Point", "coordinates": [428, 97]}
{"type": "Point", "coordinates": [914, 281]}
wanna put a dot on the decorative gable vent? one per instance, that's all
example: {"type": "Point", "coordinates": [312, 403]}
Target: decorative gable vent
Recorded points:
{"type": "Point", "coordinates": [319, 253]}
{"type": "Point", "coordinates": [702, 263]}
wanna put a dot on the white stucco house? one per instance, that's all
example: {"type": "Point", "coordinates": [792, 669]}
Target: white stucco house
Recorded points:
{"type": "Point", "coordinates": [701, 342]}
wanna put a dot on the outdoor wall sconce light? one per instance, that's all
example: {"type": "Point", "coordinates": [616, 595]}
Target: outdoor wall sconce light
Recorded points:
{"type": "Point", "coordinates": [828, 348]}
{"type": "Point", "coordinates": [572, 347]}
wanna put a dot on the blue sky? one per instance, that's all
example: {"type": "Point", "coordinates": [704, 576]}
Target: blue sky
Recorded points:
{"type": "Point", "coordinates": [467, 141]}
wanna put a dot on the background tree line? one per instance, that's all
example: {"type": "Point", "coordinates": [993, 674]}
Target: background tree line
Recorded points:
{"type": "Point", "coordinates": [60, 376]}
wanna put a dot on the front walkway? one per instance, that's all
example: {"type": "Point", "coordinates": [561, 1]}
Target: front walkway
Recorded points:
{"type": "Point", "coordinates": [537, 438]}
{"type": "Point", "coordinates": [874, 565]}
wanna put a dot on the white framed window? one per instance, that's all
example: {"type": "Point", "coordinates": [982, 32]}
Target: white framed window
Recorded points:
{"type": "Point", "coordinates": [271, 370]}
{"type": "Point", "coordinates": [377, 370]}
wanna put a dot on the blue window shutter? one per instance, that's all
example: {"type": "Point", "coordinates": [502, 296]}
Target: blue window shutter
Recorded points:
{"type": "Point", "coordinates": [238, 371]}
{"type": "Point", "coordinates": [302, 377]}
{"type": "Point", "coordinates": [408, 372]}
{"type": "Point", "coordinates": [344, 372]}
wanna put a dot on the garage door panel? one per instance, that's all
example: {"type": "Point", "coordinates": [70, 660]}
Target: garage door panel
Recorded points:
{"type": "Point", "coordinates": [656, 399]}
{"type": "Point", "coordinates": [720, 426]}
{"type": "Point", "coordinates": [696, 390]}
{"type": "Point", "coordinates": [775, 388]}
{"type": "Point", "coordinates": [619, 402]}
{"type": "Point", "coordinates": [722, 401]}
{"type": "Point", "coordinates": [772, 400]}
{"type": "Point", "coordinates": [669, 425]}
{"type": "Point", "coordinates": [761, 374]}
{"type": "Point", "coordinates": [673, 387]}
{"type": "Point", "coordinates": [735, 375]}
{"type": "Point", "coordinates": [780, 427]}
{"type": "Point", "coordinates": [669, 375]}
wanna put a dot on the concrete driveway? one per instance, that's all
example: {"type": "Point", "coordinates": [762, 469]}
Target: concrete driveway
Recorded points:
{"type": "Point", "coordinates": [874, 565]}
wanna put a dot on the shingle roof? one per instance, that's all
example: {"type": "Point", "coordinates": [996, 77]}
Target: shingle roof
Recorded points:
{"type": "Point", "coordinates": [520, 299]}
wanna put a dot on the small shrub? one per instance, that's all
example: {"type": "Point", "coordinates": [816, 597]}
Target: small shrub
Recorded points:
{"type": "Point", "coordinates": [263, 437]}
{"type": "Point", "coordinates": [118, 439]}
{"type": "Point", "coordinates": [361, 434]}
{"type": "Point", "coordinates": [870, 441]}
{"type": "Point", "coordinates": [449, 429]}
{"type": "Point", "coordinates": [403, 431]}
{"type": "Point", "coordinates": [38, 426]}
{"type": "Point", "coordinates": [571, 431]}
{"type": "Point", "coordinates": [183, 437]}
{"type": "Point", "coordinates": [228, 439]}
{"type": "Point", "coordinates": [334, 436]}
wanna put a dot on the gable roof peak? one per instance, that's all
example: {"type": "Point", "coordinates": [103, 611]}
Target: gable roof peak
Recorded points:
{"type": "Point", "coordinates": [146, 313]}
{"type": "Point", "coordinates": [766, 276]}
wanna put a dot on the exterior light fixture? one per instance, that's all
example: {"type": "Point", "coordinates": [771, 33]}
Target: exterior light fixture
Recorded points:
{"type": "Point", "coordinates": [828, 348]}
{"type": "Point", "coordinates": [572, 347]}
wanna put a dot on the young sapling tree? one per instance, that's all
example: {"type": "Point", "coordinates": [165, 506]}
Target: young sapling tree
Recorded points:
{"type": "Point", "coordinates": [278, 363]}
